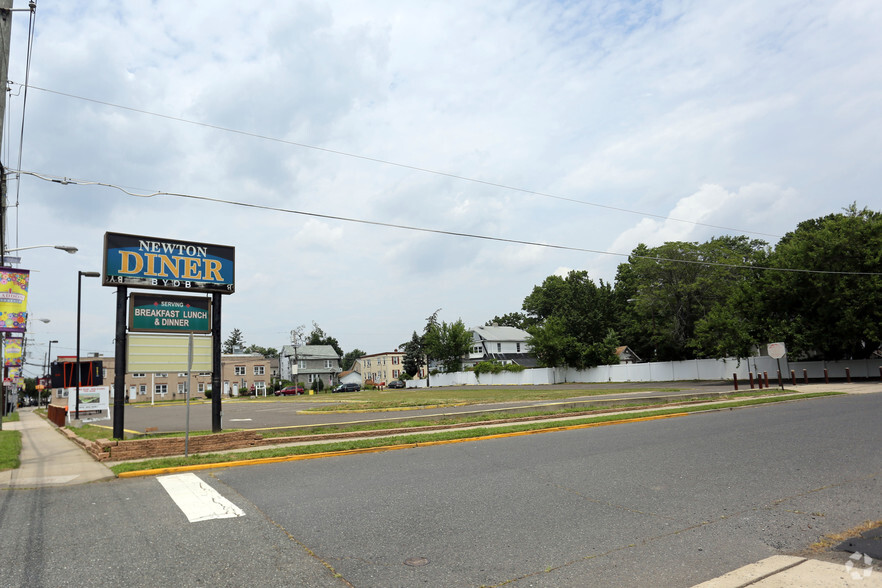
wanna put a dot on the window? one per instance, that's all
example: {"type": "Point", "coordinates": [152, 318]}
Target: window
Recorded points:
{"type": "Point", "coordinates": [327, 363]}
{"type": "Point", "coordinates": [182, 374]}
{"type": "Point", "coordinates": [259, 370]}
{"type": "Point", "coordinates": [394, 360]}
{"type": "Point", "coordinates": [200, 387]}
{"type": "Point", "coordinates": [138, 375]}
{"type": "Point", "coordinates": [205, 374]}
{"type": "Point", "coordinates": [499, 348]}
{"type": "Point", "coordinates": [301, 364]}
{"type": "Point", "coordinates": [62, 393]}
{"type": "Point", "coordinates": [394, 373]}
{"type": "Point", "coordinates": [161, 389]}
{"type": "Point", "coordinates": [260, 386]}
{"type": "Point", "coordinates": [142, 389]}
{"type": "Point", "coordinates": [239, 370]}
{"type": "Point", "coordinates": [162, 375]}
{"type": "Point", "coordinates": [519, 347]}
{"type": "Point", "coordinates": [181, 388]}
{"type": "Point", "coordinates": [104, 373]}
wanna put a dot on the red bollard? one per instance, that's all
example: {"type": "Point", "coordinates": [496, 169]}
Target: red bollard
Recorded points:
{"type": "Point", "coordinates": [750, 377]}
{"type": "Point", "coordinates": [826, 376]}
{"type": "Point", "coordinates": [766, 378]}
{"type": "Point", "coordinates": [735, 380]}
{"type": "Point", "coordinates": [793, 377]}
{"type": "Point", "coordinates": [848, 375]}
{"type": "Point", "coordinates": [805, 375]}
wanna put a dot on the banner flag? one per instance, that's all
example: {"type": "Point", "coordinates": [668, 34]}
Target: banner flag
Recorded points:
{"type": "Point", "coordinates": [13, 299]}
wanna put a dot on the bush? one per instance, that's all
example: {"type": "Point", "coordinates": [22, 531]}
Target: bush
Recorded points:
{"type": "Point", "coordinates": [207, 393]}
{"type": "Point", "coordinates": [494, 367]}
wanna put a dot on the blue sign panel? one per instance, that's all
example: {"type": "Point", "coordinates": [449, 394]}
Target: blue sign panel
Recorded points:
{"type": "Point", "coordinates": [167, 264]}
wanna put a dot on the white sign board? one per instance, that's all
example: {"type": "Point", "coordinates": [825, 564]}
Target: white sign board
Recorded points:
{"type": "Point", "coordinates": [92, 399]}
{"type": "Point", "coordinates": [167, 353]}
{"type": "Point", "coordinates": [777, 350]}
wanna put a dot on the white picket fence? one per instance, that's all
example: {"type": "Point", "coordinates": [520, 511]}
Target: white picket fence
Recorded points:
{"type": "Point", "coordinates": [668, 371]}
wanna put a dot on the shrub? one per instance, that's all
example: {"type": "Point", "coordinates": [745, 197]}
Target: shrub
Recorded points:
{"type": "Point", "coordinates": [494, 367]}
{"type": "Point", "coordinates": [207, 393]}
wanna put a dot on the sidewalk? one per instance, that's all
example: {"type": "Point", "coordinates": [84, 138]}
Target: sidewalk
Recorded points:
{"type": "Point", "coordinates": [786, 571]}
{"type": "Point", "coordinates": [48, 458]}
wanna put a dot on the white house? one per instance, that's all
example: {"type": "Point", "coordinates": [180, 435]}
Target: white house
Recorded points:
{"type": "Point", "coordinates": [309, 363]}
{"type": "Point", "coordinates": [504, 344]}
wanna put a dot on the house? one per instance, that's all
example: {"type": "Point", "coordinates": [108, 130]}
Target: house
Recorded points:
{"type": "Point", "coordinates": [626, 355]}
{"type": "Point", "coordinates": [350, 377]}
{"type": "Point", "coordinates": [310, 363]}
{"type": "Point", "coordinates": [504, 344]}
{"type": "Point", "coordinates": [380, 368]}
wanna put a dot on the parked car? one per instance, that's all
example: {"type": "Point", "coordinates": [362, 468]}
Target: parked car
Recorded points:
{"type": "Point", "coordinates": [397, 384]}
{"type": "Point", "coordinates": [290, 391]}
{"type": "Point", "coordinates": [350, 387]}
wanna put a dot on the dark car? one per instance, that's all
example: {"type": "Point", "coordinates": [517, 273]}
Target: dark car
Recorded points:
{"type": "Point", "coordinates": [290, 391]}
{"type": "Point", "coordinates": [350, 387]}
{"type": "Point", "coordinates": [397, 384]}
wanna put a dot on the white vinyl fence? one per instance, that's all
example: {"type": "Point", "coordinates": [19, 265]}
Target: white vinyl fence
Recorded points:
{"type": "Point", "coordinates": [669, 371]}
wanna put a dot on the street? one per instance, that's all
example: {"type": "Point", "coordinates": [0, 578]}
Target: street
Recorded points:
{"type": "Point", "coordinates": [663, 503]}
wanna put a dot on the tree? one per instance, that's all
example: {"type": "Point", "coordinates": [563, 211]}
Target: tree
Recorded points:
{"type": "Point", "coordinates": [573, 321]}
{"type": "Point", "coordinates": [517, 320]}
{"type": "Point", "coordinates": [445, 342]}
{"type": "Point", "coordinates": [831, 315]}
{"type": "Point", "coordinates": [350, 357]}
{"type": "Point", "coordinates": [236, 339]}
{"type": "Point", "coordinates": [688, 300]}
{"type": "Point", "coordinates": [264, 351]}
{"type": "Point", "coordinates": [319, 337]}
{"type": "Point", "coordinates": [414, 358]}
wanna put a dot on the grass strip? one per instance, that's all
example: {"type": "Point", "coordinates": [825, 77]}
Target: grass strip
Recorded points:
{"type": "Point", "coordinates": [221, 458]}
{"type": "Point", "coordinates": [10, 450]}
{"type": "Point", "coordinates": [12, 417]}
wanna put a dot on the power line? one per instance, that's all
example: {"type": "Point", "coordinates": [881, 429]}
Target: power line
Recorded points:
{"type": "Point", "coordinates": [70, 181]}
{"type": "Point", "coordinates": [398, 164]}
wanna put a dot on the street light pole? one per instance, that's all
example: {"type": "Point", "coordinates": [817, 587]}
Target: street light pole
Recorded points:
{"type": "Point", "coordinates": [80, 275]}
{"type": "Point", "coordinates": [48, 373]}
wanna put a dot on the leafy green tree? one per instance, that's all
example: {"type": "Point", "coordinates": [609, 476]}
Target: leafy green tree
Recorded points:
{"type": "Point", "coordinates": [414, 358]}
{"type": "Point", "coordinates": [350, 357]}
{"type": "Point", "coordinates": [264, 351]}
{"type": "Point", "coordinates": [446, 343]}
{"type": "Point", "coordinates": [573, 319]}
{"type": "Point", "coordinates": [319, 337]}
{"type": "Point", "coordinates": [835, 314]}
{"type": "Point", "coordinates": [688, 300]}
{"type": "Point", "coordinates": [517, 320]}
{"type": "Point", "coordinates": [236, 339]}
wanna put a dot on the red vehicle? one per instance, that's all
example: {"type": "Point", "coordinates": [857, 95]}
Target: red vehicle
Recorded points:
{"type": "Point", "coordinates": [290, 391]}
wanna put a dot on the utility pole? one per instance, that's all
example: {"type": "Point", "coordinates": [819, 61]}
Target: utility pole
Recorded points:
{"type": "Point", "coordinates": [5, 35]}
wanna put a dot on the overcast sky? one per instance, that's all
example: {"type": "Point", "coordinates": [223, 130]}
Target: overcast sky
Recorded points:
{"type": "Point", "coordinates": [589, 125]}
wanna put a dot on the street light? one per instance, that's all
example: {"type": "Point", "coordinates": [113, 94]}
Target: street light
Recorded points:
{"type": "Point", "coordinates": [80, 275]}
{"type": "Point", "coordinates": [48, 372]}
{"type": "Point", "coordinates": [67, 248]}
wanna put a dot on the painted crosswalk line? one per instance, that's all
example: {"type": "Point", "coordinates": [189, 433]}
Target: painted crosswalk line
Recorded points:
{"type": "Point", "coordinates": [198, 500]}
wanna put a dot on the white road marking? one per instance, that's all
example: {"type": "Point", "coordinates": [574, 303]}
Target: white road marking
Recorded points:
{"type": "Point", "coordinates": [198, 500]}
{"type": "Point", "coordinates": [238, 420]}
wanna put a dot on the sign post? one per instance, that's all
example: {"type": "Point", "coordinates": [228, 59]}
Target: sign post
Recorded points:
{"type": "Point", "coordinates": [157, 263]}
{"type": "Point", "coordinates": [778, 350]}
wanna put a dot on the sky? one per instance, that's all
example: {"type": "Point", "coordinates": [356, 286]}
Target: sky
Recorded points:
{"type": "Point", "coordinates": [590, 127]}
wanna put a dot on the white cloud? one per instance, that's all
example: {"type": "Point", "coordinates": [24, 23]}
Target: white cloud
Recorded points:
{"type": "Point", "coordinates": [748, 115]}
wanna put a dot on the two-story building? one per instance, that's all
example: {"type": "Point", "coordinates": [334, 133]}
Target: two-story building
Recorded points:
{"type": "Point", "coordinates": [380, 368]}
{"type": "Point", "coordinates": [251, 371]}
{"type": "Point", "coordinates": [310, 363]}
{"type": "Point", "coordinates": [504, 344]}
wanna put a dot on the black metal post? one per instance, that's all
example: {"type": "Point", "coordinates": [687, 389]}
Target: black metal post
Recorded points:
{"type": "Point", "coordinates": [216, 363]}
{"type": "Point", "coordinates": [119, 376]}
{"type": "Point", "coordinates": [79, 297]}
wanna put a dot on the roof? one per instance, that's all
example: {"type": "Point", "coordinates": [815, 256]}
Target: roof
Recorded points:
{"type": "Point", "coordinates": [494, 333]}
{"type": "Point", "coordinates": [396, 352]}
{"type": "Point", "coordinates": [310, 352]}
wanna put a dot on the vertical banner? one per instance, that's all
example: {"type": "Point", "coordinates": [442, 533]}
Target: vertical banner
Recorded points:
{"type": "Point", "coordinates": [12, 352]}
{"type": "Point", "coordinates": [13, 299]}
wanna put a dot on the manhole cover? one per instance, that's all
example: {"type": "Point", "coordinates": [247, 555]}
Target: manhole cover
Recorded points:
{"type": "Point", "coordinates": [416, 561]}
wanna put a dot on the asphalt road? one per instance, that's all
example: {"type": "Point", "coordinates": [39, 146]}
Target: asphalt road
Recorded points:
{"type": "Point", "coordinates": [662, 503]}
{"type": "Point", "coordinates": [273, 412]}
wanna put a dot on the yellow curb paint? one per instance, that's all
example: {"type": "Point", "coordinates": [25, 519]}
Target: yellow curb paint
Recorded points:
{"type": "Point", "coordinates": [286, 458]}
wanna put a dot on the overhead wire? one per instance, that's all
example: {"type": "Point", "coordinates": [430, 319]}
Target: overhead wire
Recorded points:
{"type": "Point", "coordinates": [24, 104]}
{"type": "Point", "coordinates": [70, 181]}
{"type": "Point", "coordinates": [400, 165]}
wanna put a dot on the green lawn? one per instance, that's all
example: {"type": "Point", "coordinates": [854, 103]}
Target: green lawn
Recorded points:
{"type": "Point", "coordinates": [10, 449]}
{"type": "Point", "coordinates": [419, 397]}
{"type": "Point", "coordinates": [428, 437]}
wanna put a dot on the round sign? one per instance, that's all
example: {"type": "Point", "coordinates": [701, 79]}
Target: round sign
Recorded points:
{"type": "Point", "coordinates": [777, 350]}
